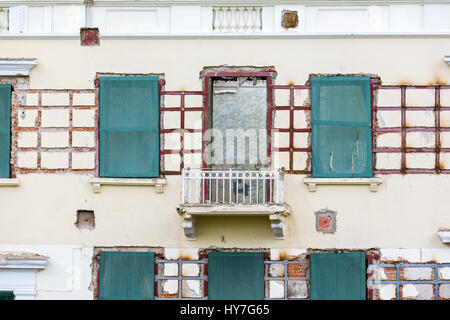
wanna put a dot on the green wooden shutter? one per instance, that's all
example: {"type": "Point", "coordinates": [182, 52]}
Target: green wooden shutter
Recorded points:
{"type": "Point", "coordinates": [5, 129]}
{"type": "Point", "coordinates": [341, 127]}
{"type": "Point", "coordinates": [236, 276]}
{"type": "Point", "coordinates": [127, 275]}
{"type": "Point", "coordinates": [129, 127]}
{"type": "Point", "coordinates": [338, 276]}
{"type": "Point", "coordinates": [7, 295]}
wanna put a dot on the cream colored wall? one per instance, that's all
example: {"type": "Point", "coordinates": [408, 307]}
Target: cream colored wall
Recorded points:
{"type": "Point", "coordinates": [405, 213]}
{"type": "Point", "coordinates": [64, 63]}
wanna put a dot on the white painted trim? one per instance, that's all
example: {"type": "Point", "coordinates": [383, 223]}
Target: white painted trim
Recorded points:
{"type": "Point", "coordinates": [16, 67]}
{"type": "Point", "coordinates": [23, 264]}
{"type": "Point", "coordinates": [260, 35]}
{"type": "Point", "coordinates": [313, 182]}
{"type": "Point", "coordinates": [158, 183]}
{"type": "Point", "coordinates": [9, 182]}
{"type": "Point", "coordinates": [445, 236]}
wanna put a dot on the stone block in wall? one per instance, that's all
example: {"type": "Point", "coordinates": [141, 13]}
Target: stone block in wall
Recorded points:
{"type": "Point", "coordinates": [193, 160]}
{"type": "Point", "coordinates": [444, 291]}
{"type": "Point", "coordinates": [282, 97]}
{"type": "Point", "coordinates": [420, 97]}
{"type": "Point", "coordinates": [83, 99]}
{"type": "Point", "coordinates": [417, 291]}
{"type": "Point", "coordinates": [301, 140]}
{"type": "Point", "coordinates": [27, 118]}
{"type": "Point", "coordinates": [411, 255]}
{"type": "Point", "coordinates": [444, 273]}
{"type": "Point", "coordinates": [280, 160]}
{"type": "Point", "coordinates": [171, 120]}
{"type": "Point", "coordinates": [420, 118]}
{"type": "Point", "coordinates": [283, 254]}
{"type": "Point", "coordinates": [418, 273]}
{"type": "Point", "coordinates": [176, 253]}
{"type": "Point", "coordinates": [297, 289]}
{"type": "Point", "coordinates": [444, 160]}
{"type": "Point", "coordinates": [445, 139]}
{"type": "Point", "coordinates": [172, 162]}
{"type": "Point", "coordinates": [420, 140]}
{"type": "Point", "coordinates": [301, 119]}
{"type": "Point", "coordinates": [192, 101]}
{"type": "Point", "coordinates": [445, 97]}
{"type": "Point", "coordinates": [280, 139]}
{"type": "Point", "coordinates": [32, 99]}
{"type": "Point", "coordinates": [27, 159]}
{"type": "Point", "coordinates": [301, 97]}
{"type": "Point", "coordinates": [276, 270]}
{"type": "Point", "coordinates": [55, 99]}
{"type": "Point", "coordinates": [387, 291]}
{"type": "Point", "coordinates": [190, 270]}
{"type": "Point", "coordinates": [172, 101]}
{"type": "Point", "coordinates": [83, 118]}
{"type": "Point", "coordinates": [193, 140]}
{"type": "Point", "coordinates": [27, 139]}
{"type": "Point", "coordinates": [389, 119]}
{"type": "Point", "coordinates": [420, 160]}
{"type": "Point", "coordinates": [444, 119]}
{"type": "Point", "coordinates": [191, 289]}
{"type": "Point", "coordinates": [58, 118]}
{"type": "Point", "coordinates": [301, 160]}
{"type": "Point", "coordinates": [435, 255]}
{"type": "Point", "coordinates": [281, 119]}
{"type": "Point", "coordinates": [172, 141]}
{"type": "Point", "coordinates": [55, 160]}
{"type": "Point", "coordinates": [54, 139]}
{"type": "Point", "coordinates": [83, 160]}
{"type": "Point", "coordinates": [169, 288]}
{"type": "Point", "coordinates": [83, 139]}
{"type": "Point", "coordinates": [170, 269]}
{"type": "Point", "coordinates": [276, 289]}
{"type": "Point", "coordinates": [193, 120]}
{"type": "Point", "coordinates": [389, 140]}
{"type": "Point", "coordinates": [389, 98]}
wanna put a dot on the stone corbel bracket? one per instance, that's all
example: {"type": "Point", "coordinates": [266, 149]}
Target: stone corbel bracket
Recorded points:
{"type": "Point", "coordinates": [277, 215]}
{"type": "Point", "coordinates": [444, 234]}
{"type": "Point", "coordinates": [158, 183]}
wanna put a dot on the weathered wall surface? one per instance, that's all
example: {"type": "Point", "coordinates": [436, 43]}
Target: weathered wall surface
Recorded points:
{"type": "Point", "coordinates": [396, 60]}
{"type": "Point", "coordinates": [406, 212]}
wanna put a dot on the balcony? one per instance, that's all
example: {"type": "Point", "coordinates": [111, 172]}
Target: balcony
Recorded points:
{"type": "Point", "coordinates": [232, 193]}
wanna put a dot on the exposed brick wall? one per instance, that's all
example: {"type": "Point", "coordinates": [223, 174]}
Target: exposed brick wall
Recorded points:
{"type": "Point", "coordinates": [54, 131]}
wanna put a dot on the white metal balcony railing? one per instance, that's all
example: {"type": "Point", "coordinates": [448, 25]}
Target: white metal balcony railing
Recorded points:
{"type": "Point", "coordinates": [237, 19]}
{"type": "Point", "coordinates": [4, 19]}
{"type": "Point", "coordinates": [231, 187]}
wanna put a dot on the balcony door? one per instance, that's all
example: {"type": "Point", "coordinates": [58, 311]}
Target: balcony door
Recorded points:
{"type": "Point", "coordinates": [237, 139]}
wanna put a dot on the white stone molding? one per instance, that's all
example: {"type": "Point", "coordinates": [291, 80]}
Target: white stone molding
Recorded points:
{"type": "Point", "coordinates": [16, 67]}
{"type": "Point", "coordinates": [312, 183]}
{"type": "Point", "coordinates": [158, 183]}
{"type": "Point", "coordinates": [444, 235]}
{"type": "Point", "coordinates": [18, 273]}
{"type": "Point", "coordinates": [9, 182]}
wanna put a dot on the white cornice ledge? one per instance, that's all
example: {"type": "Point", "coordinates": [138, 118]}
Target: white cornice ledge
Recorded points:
{"type": "Point", "coordinates": [447, 59]}
{"type": "Point", "coordinates": [313, 182]}
{"type": "Point", "coordinates": [9, 182]}
{"type": "Point", "coordinates": [158, 183]}
{"type": "Point", "coordinates": [22, 261]}
{"type": "Point", "coordinates": [444, 235]}
{"type": "Point", "coordinates": [16, 67]}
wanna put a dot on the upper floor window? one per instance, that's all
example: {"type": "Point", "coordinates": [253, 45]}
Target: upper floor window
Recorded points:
{"type": "Point", "coordinates": [129, 127]}
{"type": "Point", "coordinates": [5, 129]}
{"type": "Point", "coordinates": [341, 127]}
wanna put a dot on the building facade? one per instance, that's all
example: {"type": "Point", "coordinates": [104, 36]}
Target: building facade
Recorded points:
{"type": "Point", "coordinates": [220, 150]}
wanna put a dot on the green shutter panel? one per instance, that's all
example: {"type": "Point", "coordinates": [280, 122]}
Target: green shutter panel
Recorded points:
{"type": "Point", "coordinates": [236, 275]}
{"type": "Point", "coordinates": [341, 127]}
{"type": "Point", "coordinates": [5, 129]}
{"type": "Point", "coordinates": [129, 127]}
{"type": "Point", "coordinates": [7, 295]}
{"type": "Point", "coordinates": [127, 275]}
{"type": "Point", "coordinates": [338, 276]}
